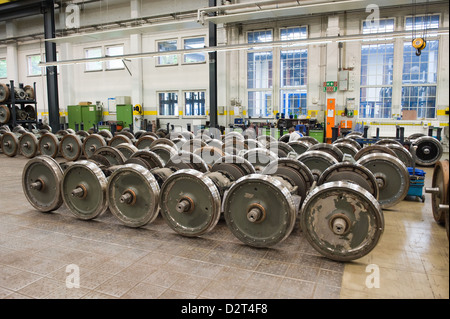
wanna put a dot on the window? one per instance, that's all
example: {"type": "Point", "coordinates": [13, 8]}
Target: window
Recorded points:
{"type": "Point", "coordinates": [419, 76]}
{"type": "Point", "coordinates": [168, 103]}
{"type": "Point", "coordinates": [164, 46]}
{"type": "Point", "coordinates": [259, 76]}
{"type": "Point", "coordinates": [33, 65]}
{"type": "Point", "coordinates": [293, 67]}
{"type": "Point", "coordinates": [422, 22]}
{"type": "Point", "coordinates": [379, 26]}
{"type": "Point", "coordinates": [93, 53]}
{"type": "Point", "coordinates": [113, 51]}
{"type": "Point", "coordinates": [377, 63]}
{"type": "Point", "coordinates": [3, 71]}
{"type": "Point", "coordinates": [194, 43]}
{"type": "Point", "coordinates": [194, 103]}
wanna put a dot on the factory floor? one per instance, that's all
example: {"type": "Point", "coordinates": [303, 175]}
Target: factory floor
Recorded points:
{"type": "Point", "coordinates": [40, 253]}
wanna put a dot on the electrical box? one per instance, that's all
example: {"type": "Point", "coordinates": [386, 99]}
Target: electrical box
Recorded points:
{"type": "Point", "coordinates": [124, 113]}
{"type": "Point", "coordinates": [346, 124]}
{"type": "Point", "coordinates": [343, 80]}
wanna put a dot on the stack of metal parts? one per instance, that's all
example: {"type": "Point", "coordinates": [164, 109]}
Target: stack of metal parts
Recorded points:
{"type": "Point", "coordinates": [261, 187]}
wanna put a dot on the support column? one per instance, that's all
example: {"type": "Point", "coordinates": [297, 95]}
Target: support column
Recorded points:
{"type": "Point", "coordinates": [212, 32]}
{"type": "Point", "coordinates": [50, 56]}
{"type": "Point", "coordinates": [137, 78]}
{"type": "Point", "coordinates": [11, 53]}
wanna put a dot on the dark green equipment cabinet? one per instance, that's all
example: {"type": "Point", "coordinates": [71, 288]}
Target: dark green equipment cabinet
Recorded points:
{"type": "Point", "coordinates": [125, 114]}
{"type": "Point", "coordinates": [86, 114]}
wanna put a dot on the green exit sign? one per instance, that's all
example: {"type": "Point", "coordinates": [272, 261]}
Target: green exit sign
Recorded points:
{"type": "Point", "coordinates": [330, 86]}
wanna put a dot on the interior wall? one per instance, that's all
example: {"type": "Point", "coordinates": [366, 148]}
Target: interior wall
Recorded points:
{"type": "Point", "coordinates": [232, 78]}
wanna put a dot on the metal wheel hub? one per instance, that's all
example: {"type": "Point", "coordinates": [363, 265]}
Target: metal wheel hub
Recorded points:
{"type": "Point", "coordinates": [190, 203]}
{"type": "Point", "coordinates": [84, 190]}
{"type": "Point", "coordinates": [41, 183]}
{"type": "Point", "coordinates": [342, 220]}
{"type": "Point", "coordinates": [259, 210]}
{"type": "Point", "coordinates": [133, 195]}
{"type": "Point", "coordinates": [392, 177]}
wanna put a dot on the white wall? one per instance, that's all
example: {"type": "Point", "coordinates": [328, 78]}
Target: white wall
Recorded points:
{"type": "Point", "coordinates": [77, 85]}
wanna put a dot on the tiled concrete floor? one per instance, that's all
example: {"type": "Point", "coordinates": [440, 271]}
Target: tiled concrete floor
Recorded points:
{"type": "Point", "coordinates": [153, 262]}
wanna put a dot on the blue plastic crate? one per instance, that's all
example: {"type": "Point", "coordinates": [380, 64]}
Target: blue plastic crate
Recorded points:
{"type": "Point", "coordinates": [416, 184]}
{"type": "Point", "coordinates": [417, 172]}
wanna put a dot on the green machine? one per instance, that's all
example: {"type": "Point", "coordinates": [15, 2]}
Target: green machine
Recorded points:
{"type": "Point", "coordinates": [317, 134]}
{"type": "Point", "coordinates": [86, 114]}
{"type": "Point", "coordinates": [124, 114]}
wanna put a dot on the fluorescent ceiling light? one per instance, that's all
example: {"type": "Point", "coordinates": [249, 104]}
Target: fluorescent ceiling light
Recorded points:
{"type": "Point", "coordinates": [251, 46]}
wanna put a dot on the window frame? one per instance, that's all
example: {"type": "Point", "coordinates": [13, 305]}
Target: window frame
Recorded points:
{"type": "Point", "coordinates": [102, 63]}
{"type": "Point", "coordinates": [6, 67]}
{"type": "Point", "coordinates": [430, 37]}
{"type": "Point", "coordinates": [183, 62]}
{"type": "Point", "coordinates": [28, 65]}
{"type": "Point", "coordinates": [106, 64]}
{"type": "Point", "coordinates": [184, 104]}
{"type": "Point", "coordinates": [295, 89]}
{"type": "Point", "coordinates": [423, 15]}
{"type": "Point", "coordinates": [375, 86]}
{"type": "Point", "coordinates": [269, 89]}
{"type": "Point", "coordinates": [158, 64]}
{"type": "Point", "coordinates": [158, 92]}
{"type": "Point", "coordinates": [396, 26]}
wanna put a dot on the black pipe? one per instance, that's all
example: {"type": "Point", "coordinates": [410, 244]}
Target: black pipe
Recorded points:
{"type": "Point", "coordinates": [334, 133]}
{"type": "Point", "coordinates": [212, 34]}
{"type": "Point", "coordinates": [50, 56]}
{"type": "Point", "coordinates": [439, 131]}
{"type": "Point", "coordinates": [402, 134]}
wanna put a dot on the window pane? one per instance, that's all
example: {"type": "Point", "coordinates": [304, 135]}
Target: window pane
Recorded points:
{"type": "Point", "coordinates": [195, 103]}
{"type": "Point", "coordinates": [93, 53]}
{"type": "Point", "coordinates": [422, 22]}
{"type": "Point", "coordinates": [114, 64]}
{"type": "Point", "coordinates": [293, 68]}
{"type": "Point", "coordinates": [196, 43]}
{"type": "Point", "coordinates": [260, 36]}
{"type": "Point", "coordinates": [377, 64]}
{"type": "Point", "coordinates": [164, 46]}
{"type": "Point", "coordinates": [3, 73]}
{"type": "Point", "coordinates": [293, 102]}
{"type": "Point", "coordinates": [168, 103]}
{"type": "Point", "coordinates": [378, 26]}
{"type": "Point", "coordinates": [295, 33]}
{"type": "Point", "coordinates": [258, 101]}
{"type": "Point", "coordinates": [420, 98]}
{"type": "Point", "coordinates": [33, 65]}
{"type": "Point", "coordinates": [259, 70]}
{"type": "Point", "coordinates": [375, 102]}
{"type": "Point", "coordinates": [423, 68]}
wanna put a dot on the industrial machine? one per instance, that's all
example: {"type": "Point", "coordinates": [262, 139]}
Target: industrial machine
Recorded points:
{"type": "Point", "coordinates": [84, 114]}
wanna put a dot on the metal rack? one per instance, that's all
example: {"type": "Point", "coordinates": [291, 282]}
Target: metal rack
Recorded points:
{"type": "Point", "coordinates": [13, 101]}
